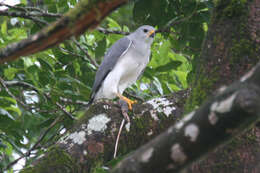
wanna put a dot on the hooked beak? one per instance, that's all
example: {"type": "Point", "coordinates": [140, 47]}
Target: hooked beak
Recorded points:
{"type": "Point", "coordinates": [151, 33]}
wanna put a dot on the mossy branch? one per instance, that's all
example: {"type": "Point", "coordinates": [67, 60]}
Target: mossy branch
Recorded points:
{"type": "Point", "coordinates": [86, 15]}
{"type": "Point", "coordinates": [232, 111]}
{"type": "Point", "coordinates": [92, 140]}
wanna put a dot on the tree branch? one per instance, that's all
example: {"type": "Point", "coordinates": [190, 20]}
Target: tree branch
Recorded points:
{"type": "Point", "coordinates": [107, 31]}
{"type": "Point", "coordinates": [92, 60]}
{"type": "Point", "coordinates": [23, 15]}
{"type": "Point", "coordinates": [64, 110]}
{"type": "Point", "coordinates": [13, 96]}
{"type": "Point", "coordinates": [92, 139]}
{"type": "Point", "coordinates": [32, 11]}
{"type": "Point", "coordinates": [27, 85]}
{"type": "Point", "coordinates": [229, 113]}
{"type": "Point", "coordinates": [84, 16]}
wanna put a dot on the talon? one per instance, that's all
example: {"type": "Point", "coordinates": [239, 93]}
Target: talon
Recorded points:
{"type": "Point", "coordinates": [130, 105]}
{"type": "Point", "coordinates": [128, 101]}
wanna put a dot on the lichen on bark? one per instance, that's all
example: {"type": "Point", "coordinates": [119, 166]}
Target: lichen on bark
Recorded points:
{"type": "Point", "coordinates": [230, 49]}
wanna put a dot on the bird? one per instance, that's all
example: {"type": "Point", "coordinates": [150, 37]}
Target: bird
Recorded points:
{"type": "Point", "coordinates": [123, 64]}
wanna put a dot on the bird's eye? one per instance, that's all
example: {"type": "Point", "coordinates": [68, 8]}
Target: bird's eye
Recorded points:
{"type": "Point", "coordinates": [145, 30]}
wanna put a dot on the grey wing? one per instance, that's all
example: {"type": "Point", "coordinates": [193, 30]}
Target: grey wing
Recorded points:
{"type": "Point", "coordinates": [118, 49]}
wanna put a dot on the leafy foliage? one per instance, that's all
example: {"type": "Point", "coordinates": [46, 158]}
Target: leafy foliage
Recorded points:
{"type": "Point", "coordinates": [39, 89]}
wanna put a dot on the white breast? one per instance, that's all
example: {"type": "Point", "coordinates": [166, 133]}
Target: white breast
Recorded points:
{"type": "Point", "coordinates": [124, 74]}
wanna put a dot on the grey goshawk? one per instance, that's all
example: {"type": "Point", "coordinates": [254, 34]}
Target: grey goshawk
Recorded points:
{"type": "Point", "coordinates": [123, 63]}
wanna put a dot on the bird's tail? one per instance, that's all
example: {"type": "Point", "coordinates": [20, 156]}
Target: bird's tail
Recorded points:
{"type": "Point", "coordinates": [91, 100]}
{"type": "Point", "coordinates": [90, 103]}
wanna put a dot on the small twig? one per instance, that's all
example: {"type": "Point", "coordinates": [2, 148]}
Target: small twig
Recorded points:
{"type": "Point", "coordinates": [66, 100]}
{"type": "Point", "coordinates": [57, 120]}
{"type": "Point", "coordinates": [43, 14]}
{"type": "Point", "coordinates": [32, 11]}
{"type": "Point", "coordinates": [27, 85]}
{"type": "Point", "coordinates": [12, 6]}
{"type": "Point", "coordinates": [23, 15]}
{"type": "Point", "coordinates": [72, 53]}
{"type": "Point", "coordinates": [11, 94]}
{"type": "Point", "coordinates": [52, 140]}
{"type": "Point", "coordinates": [175, 22]}
{"type": "Point", "coordinates": [93, 62]}
{"type": "Point", "coordinates": [20, 83]}
{"type": "Point", "coordinates": [106, 31]}
{"type": "Point", "coordinates": [28, 153]}
{"type": "Point", "coordinates": [118, 136]}
{"type": "Point", "coordinates": [66, 112]}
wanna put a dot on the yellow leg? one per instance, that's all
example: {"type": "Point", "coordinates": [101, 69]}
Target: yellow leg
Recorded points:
{"type": "Point", "coordinates": [128, 101]}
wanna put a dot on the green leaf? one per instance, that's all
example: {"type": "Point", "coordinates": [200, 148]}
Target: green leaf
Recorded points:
{"type": "Point", "coordinates": [76, 67]}
{"type": "Point", "coordinates": [45, 65]}
{"type": "Point", "coordinates": [6, 113]}
{"type": "Point", "coordinates": [164, 49]}
{"type": "Point", "coordinates": [28, 62]}
{"type": "Point", "coordinates": [10, 73]}
{"type": "Point", "coordinates": [113, 24]}
{"type": "Point", "coordinates": [90, 39]}
{"type": "Point", "coordinates": [8, 149]}
{"type": "Point", "coordinates": [172, 65]}
{"type": "Point", "coordinates": [14, 109]}
{"type": "Point", "coordinates": [46, 77]}
{"type": "Point", "coordinates": [158, 85]}
{"type": "Point", "coordinates": [10, 99]}
{"type": "Point", "coordinates": [4, 28]}
{"type": "Point", "coordinates": [99, 170]}
{"type": "Point", "coordinates": [100, 49]}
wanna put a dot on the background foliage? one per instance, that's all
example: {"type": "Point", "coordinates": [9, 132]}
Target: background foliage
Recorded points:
{"type": "Point", "coordinates": [39, 93]}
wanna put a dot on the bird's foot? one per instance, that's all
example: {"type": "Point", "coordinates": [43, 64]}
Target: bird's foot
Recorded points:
{"type": "Point", "coordinates": [130, 102]}
{"type": "Point", "coordinates": [127, 100]}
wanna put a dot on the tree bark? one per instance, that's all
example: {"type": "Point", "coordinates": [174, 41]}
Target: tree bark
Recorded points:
{"type": "Point", "coordinates": [90, 143]}
{"type": "Point", "coordinates": [231, 48]}
{"type": "Point", "coordinates": [229, 113]}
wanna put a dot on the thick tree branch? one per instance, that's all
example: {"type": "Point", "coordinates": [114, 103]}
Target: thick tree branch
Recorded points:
{"type": "Point", "coordinates": [92, 140]}
{"type": "Point", "coordinates": [232, 111]}
{"type": "Point", "coordinates": [224, 58]}
{"type": "Point", "coordinates": [86, 15]}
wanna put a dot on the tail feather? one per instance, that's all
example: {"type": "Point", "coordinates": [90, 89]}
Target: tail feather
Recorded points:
{"type": "Point", "coordinates": [91, 100]}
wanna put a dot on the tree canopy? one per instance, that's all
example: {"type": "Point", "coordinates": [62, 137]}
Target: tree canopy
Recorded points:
{"type": "Point", "coordinates": [42, 94]}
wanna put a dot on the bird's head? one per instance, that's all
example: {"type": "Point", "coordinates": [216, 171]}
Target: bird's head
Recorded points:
{"type": "Point", "coordinates": [145, 33]}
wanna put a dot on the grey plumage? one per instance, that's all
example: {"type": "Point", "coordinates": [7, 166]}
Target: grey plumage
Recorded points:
{"type": "Point", "coordinates": [123, 63]}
